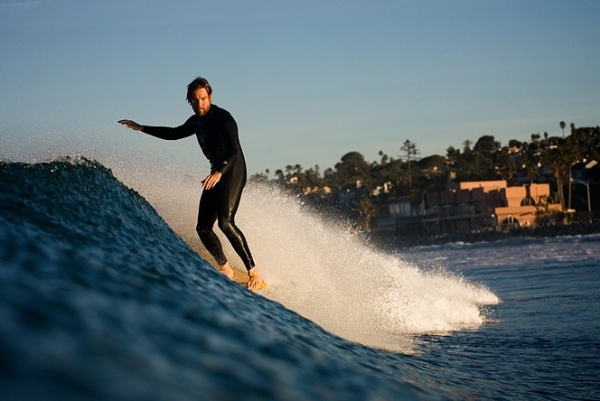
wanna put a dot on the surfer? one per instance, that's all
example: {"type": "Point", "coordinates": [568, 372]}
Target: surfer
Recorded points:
{"type": "Point", "coordinates": [217, 134]}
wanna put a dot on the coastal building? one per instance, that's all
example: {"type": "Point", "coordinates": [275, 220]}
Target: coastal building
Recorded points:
{"type": "Point", "coordinates": [469, 207]}
{"type": "Point", "coordinates": [400, 212]}
{"type": "Point", "coordinates": [480, 205]}
{"type": "Point", "coordinates": [349, 194]}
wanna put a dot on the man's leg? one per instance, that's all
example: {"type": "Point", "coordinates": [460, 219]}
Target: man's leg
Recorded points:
{"type": "Point", "coordinates": [232, 193]}
{"type": "Point", "coordinates": [207, 215]}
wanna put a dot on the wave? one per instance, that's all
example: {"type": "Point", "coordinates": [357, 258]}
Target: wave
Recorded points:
{"type": "Point", "coordinates": [103, 299]}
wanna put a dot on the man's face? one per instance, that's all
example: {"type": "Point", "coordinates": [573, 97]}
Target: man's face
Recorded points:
{"type": "Point", "coordinates": [200, 101]}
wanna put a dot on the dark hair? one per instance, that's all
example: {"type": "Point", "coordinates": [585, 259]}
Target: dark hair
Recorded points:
{"type": "Point", "coordinates": [197, 84]}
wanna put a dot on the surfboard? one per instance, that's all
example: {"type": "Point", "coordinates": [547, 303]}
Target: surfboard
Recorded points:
{"type": "Point", "coordinates": [241, 277]}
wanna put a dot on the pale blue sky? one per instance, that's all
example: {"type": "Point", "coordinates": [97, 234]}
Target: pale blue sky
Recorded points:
{"type": "Point", "coordinates": [307, 81]}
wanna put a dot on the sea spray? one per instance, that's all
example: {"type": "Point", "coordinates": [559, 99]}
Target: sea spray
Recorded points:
{"type": "Point", "coordinates": [326, 273]}
{"type": "Point", "coordinates": [334, 278]}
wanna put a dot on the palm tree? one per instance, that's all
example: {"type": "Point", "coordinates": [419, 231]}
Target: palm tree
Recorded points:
{"type": "Point", "coordinates": [410, 152]}
{"type": "Point", "coordinates": [560, 160]}
{"type": "Point", "coordinates": [562, 127]}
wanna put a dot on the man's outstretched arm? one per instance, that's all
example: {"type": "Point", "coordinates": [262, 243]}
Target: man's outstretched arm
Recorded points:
{"type": "Point", "coordinates": [167, 133]}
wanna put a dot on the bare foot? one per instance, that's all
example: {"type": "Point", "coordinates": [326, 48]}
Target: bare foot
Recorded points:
{"type": "Point", "coordinates": [254, 280]}
{"type": "Point", "coordinates": [227, 270]}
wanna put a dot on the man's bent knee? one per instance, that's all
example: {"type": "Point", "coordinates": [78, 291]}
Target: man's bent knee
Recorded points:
{"type": "Point", "coordinates": [226, 226]}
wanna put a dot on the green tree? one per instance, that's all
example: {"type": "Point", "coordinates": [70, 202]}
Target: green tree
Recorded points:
{"type": "Point", "coordinates": [410, 153]}
{"type": "Point", "coordinates": [434, 173]}
{"type": "Point", "coordinates": [397, 174]}
{"type": "Point", "coordinates": [560, 160]}
{"type": "Point", "coordinates": [384, 158]}
{"type": "Point", "coordinates": [530, 162]}
{"type": "Point", "coordinates": [279, 175]}
{"type": "Point", "coordinates": [452, 153]}
{"type": "Point", "coordinates": [352, 168]}
{"type": "Point", "coordinates": [513, 143]}
{"type": "Point", "coordinates": [294, 177]}
{"type": "Point", "coordinates": [331, 178]}
{"type": "Point", "coordinates": [474, 165]}
{"type": "Point", "coordinates": [313, 177]}
{"type": "Point", "coordinates": [486, 145]}
{"type": "Point", "coordinates": [507, 167]}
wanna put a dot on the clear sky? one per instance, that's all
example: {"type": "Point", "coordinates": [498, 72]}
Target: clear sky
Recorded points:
{"type": "Point", "coordinates": [307, 81]}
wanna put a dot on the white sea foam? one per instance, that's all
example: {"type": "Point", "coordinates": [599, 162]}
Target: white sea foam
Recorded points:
{"type": "Point", "coordinates": [335, 279]}
{"type": "Point", "coordinates": [328, 275]}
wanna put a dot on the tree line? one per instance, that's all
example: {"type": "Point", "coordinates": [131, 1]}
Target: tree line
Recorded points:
{"type": "Point", "coordinates": [542, 158]}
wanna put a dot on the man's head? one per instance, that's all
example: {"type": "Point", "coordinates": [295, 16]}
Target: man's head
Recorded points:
{"type": "Point", "coordinates": [199, 95]}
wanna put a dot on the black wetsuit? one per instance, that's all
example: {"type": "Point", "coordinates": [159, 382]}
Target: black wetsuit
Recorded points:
{"type": "Point", "coordinates": [217, 134]}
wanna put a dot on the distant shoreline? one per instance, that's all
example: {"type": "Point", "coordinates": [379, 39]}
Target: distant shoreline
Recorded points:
{"type": "Point", "coordinates": [390, 241]}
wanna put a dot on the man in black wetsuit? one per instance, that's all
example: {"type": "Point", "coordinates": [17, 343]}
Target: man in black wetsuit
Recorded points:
{"type": "Point", "coordinates": [217, 134]}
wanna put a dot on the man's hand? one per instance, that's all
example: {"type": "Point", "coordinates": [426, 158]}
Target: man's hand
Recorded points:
{"type": "Point", "coordinates": [212, 180]}
{"type": "Point", "coordinates": [131, 124]}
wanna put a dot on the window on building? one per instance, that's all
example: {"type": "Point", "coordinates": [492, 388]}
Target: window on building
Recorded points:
{"type": "Point", "coordinates": [528, 201]}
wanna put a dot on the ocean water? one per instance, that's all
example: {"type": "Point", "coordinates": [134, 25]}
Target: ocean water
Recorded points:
{"type": "Point", "coordinates": [105, 294]}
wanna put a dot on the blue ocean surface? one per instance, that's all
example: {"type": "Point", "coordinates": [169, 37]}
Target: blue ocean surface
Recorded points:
{"type": "Point", "coordinates": [104, 297]}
